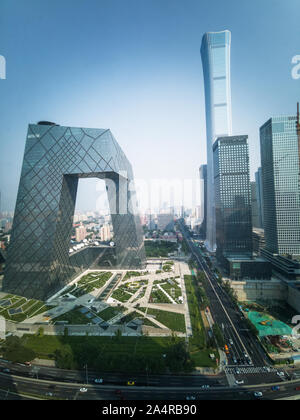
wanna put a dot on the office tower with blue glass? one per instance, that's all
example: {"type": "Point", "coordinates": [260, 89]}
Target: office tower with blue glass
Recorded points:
{"type": "Point", "coordinates": [38, 261]}
{"type": "Point", "coordinates": [280, 159]}
{"type": "Point", "coordinates": [232, 197]}
{"type": "Point", "coordinates": [215, 53]}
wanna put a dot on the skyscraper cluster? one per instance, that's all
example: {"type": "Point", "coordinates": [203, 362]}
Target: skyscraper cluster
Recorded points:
{"type": "Point", "coordinates": [234, 205]}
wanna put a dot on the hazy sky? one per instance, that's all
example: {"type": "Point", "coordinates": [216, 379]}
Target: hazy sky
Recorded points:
{"type": "Point", "coordinates": [134, 66]}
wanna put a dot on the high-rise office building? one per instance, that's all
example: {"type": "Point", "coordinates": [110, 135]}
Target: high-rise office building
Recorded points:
{"type": "Point", "coordinates": [203, 185]}
{"type": "Point", "coordinates": [260, 198]}
{"type": "Point", "coordinates": [254, 206]}
{"type": "Point", "coordinates": [280, 158]}
{"type": "Point", "coordinates": [38, 261]}
{"type": "Point", "coordinates": [215, 53]}
{"type": "Point", "coordinates": [233, 197]}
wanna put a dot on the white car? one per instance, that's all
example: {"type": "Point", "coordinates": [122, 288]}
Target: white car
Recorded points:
{"type": "Point", "coordinates": [205, 387]}
{"type": "Point", "coordinates": [239, 382]}
{"type": "Point", "coordinates": [258, 394]}
{"type": "Point", "coordinates": [280, 374]}
{"type": "Point", "coordinates": [98, 381]}
{"type": "Point", "coordinates": [83, 390]}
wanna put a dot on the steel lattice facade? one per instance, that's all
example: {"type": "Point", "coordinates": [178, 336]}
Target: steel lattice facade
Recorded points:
{"type": "Point", "coordinates": [38, 262]}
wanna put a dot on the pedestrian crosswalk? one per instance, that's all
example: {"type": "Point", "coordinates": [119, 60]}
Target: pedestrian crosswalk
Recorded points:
{"type": "Point", "coordinates": [248, 370]}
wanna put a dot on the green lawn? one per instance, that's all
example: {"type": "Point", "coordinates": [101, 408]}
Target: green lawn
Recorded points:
{"type": "Point", "coordinates": [171, 320]}
{"type": "Point", "coordinates": [110, 312]}
{"type": "Point", "coordinates": [116, 354]}
{"type": "Point", "coordinates": [121, 295]}
{"type": "Point", "coordinates": [74, 317]}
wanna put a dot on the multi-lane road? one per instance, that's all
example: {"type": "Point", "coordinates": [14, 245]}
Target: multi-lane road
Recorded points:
{"type": "Point", "coordinates": [246, 359]}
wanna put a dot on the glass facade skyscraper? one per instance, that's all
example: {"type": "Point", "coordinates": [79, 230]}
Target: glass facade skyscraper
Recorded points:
{"type": "Point", "coordinates": [281, 185]}
{"type": "Point", "coordinates": [38, 262]}
{"type": "Point", "coordinates": [215, 53]}
{"type": "Point", "coordinates": [233, 197]}
{"type": "Point", "coordinates": [260, 197]}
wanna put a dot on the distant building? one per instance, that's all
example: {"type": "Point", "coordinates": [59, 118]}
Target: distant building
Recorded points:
{"type": "Point", "coordinates": [80, 233]}
{"type": "Point", "coordinates": [165, 222]}
{"type": "Point", "coordinates": [260, 198]}
{"type": "Point", "coordinates": [232, 197]}
{"type": "Point", "coordinates": [259, 243]}
{"type": "Point", "coordinates": [254, 206]}
{"type": "Point", "coordinates": [105, 233]}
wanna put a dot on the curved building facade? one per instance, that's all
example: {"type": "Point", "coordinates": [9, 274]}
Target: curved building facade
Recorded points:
{"type": "Point", "coordinates": [38, 261]}
{"type": "Point", "coordinates": [215, 54]}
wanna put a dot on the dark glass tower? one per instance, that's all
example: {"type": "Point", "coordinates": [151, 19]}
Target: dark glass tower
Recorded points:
{"type": "Point", "coordinates": [233, 197]}
{"type": "Point", "coordinates": [280, 159]}
{"type": "Point", "coordinates": [55, 157]}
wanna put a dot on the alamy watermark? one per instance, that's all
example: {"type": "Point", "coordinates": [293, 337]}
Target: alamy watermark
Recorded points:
{"type": "Point", "coordinates": [2, 67]}
{"type": "Point", "coordinates": [2, 328]}
{"type": "Point", "coordinates": [296, 330]}
{"type": "Point", "coordinates": [296, 67]}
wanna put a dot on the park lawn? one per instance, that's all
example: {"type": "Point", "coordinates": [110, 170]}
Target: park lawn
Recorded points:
{"type": "Point", "coordinates": [73, 317]}
{"type": "Point", "coordinates": [201, 358]}
{"type": "Point", "coordinates": [110, 312]}
{"type": "Point", "coordinates": [157, 296]}
{"type": "Point", "coordinates": [172, 320]}
{"type": "Point", "coordinates": [121, 295]}
{"type": "Point", "coordinates": [46, 345]}
{"type": "Point", "coordinates": [167, 287]}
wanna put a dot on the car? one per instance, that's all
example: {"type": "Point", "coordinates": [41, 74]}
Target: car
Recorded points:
{"type": "Point", "coordinates": [234, 360]}
{"type": "Point", "coordinates": [298, 388]}
{"type": "Point", "coordinates": [6, 370]}
{"type": "Point", "coordinates": [281, 374]}
{"type": "Point", "coordinates": [275, 388]}
{"type": "Point", "coordinates": [83, 390]}
{"type": "Point", "coordinates": [258, 394]}
{"type": "Point", "coordinates": [130, 383]}
{"type": "Point", "coordinates": [190, 398]}
{"type": "Point", "coordinates": [237, 371]}
{"type": "Point", "coordinates": [239, 382]}
{"type": "Point", "coordinates": [98, 381]}
{"type": "Point", "coordinates": [205, 387]}
{"type": "Point", "coordinates": [231, 342]}
{"type": "Point", "coordinates": [49, 394]}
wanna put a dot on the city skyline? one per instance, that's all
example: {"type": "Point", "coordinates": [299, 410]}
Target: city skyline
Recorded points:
{"type": "Point", "coordinates": [154, 80]}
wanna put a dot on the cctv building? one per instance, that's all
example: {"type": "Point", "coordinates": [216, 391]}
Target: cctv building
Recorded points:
{"type": "Point", "coordinates": [38, 262]}
{"type": "Point", "coordinates": [215, 53]}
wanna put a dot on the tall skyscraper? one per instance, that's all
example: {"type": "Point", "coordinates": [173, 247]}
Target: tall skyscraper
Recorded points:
{"type": "Point", "coordinates": [280, 158]}
{"type": "Point", "coordinates": [232, 197]}
{"type": "Point", "coordinates": [215, 53]}
{"type": "Point", "coordinates": [203, 184]}
{"type": "Point", "coordinates": [260, 197]}
{"type": "Point", "coordinates": [254, 206]}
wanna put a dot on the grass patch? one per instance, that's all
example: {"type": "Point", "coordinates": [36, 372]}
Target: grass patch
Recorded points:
{"type": "Point", "coordinates": [171, 320]}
